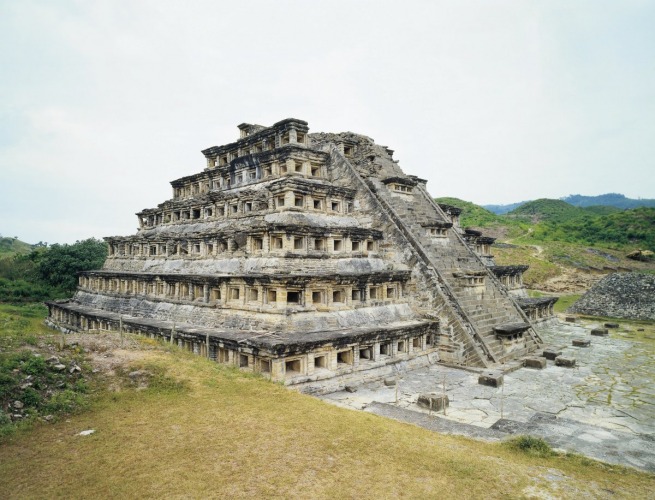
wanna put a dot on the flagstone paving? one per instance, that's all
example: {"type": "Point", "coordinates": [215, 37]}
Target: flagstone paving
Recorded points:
{"type": "Point", "coordinates": [604, 407]}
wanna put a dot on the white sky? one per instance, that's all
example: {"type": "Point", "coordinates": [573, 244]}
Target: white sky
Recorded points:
{"type": "Point", "coordinates": [103, 103]}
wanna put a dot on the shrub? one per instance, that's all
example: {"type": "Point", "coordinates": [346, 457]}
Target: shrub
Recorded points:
{"type": "Point", "coordinates": [530, 445]}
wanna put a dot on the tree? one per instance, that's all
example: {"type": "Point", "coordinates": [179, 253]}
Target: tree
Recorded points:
{"type": "Point", "coordinates": [58, 265]}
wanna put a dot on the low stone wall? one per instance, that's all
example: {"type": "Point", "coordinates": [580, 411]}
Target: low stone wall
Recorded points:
{"type": "Point", "coordinates": [389, 370]}
{"type": "Point", "coordinates": [620, 295]}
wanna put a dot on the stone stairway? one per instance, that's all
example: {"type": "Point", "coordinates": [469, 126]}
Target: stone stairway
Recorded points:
{"type": "Point", "coordinates": [485, 306]}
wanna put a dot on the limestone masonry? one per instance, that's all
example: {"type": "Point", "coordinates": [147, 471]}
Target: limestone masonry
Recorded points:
{"type": "Point", "coordinates": [312, 258]}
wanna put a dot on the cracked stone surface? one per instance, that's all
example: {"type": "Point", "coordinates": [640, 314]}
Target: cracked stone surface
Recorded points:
{"type": "Point", "coordinates": [604, 407]}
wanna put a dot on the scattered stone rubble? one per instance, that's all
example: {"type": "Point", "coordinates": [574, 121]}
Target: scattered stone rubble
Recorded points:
{"type": "Point", "coordinates": [309, 258]}
{"type": "Point", "coordinates": [620, 295]}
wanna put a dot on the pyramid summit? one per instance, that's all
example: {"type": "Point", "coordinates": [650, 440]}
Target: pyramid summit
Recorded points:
{"type": "Point", "coordinates": [310, 258]}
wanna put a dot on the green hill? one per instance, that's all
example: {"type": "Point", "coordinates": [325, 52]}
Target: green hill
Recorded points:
{"type": "Point", "coordinates": [472, 214]}
{"type": "Point", "coordinates": [503, 209]}
{"type": "Point", "coordinates": [629, 228]}
{"type": "Point", "coordinates": [615, 200]}
{"type": "Point", "coordinates": [545, 209]}
{"type": "Point", "coordinates": [13, 246]}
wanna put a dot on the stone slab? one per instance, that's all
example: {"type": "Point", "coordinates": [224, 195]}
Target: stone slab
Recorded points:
{"type": "Point", "coordinates": [599, 332]}
{"type": "Point", "coordinates": [581, 342]}
{"type": "Point", "coordinates": [551, 354]}
{"type": "Point", "coordinates": [538, 363]}
{"type": "Point", "coordinates": [564, 362]}
{"type": "Point", "coordinates": [491, 379]}
{"type": "Point", "coordinates": [433, 401]}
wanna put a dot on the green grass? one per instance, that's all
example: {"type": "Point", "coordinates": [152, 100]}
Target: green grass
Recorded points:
{"type": "Point", "coordinates": [200, 429]}
{"type": "Point", "coordinates": [540, 269]}
{"type": "Point", "coordinates": [26, 376]}
{"type": "Point", "coordinates": [564, 302]}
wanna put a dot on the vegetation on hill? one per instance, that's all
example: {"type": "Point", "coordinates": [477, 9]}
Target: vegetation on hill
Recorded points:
{"type": "Point", "coordinates": [13, 246]}
{"type": "Point", "coordinates": [503, 209]}
{"type": "Point", "coordinates": [630, 228]}
{"type": "Point", "coordinates": [601, 210]}
{"type": "Point", "coordinates": [558, 211]}
{"type": "Point", "coordinates": [614, 200]}
{"type": "Point", "coordinates": [472, 214]}
{"type": "Point", "coordinates": [48, 272]}
{"type": "Point", "coordinates": [610, 199]}
{"type": "Point", "coordinates": [546, 209]}
{"type": "Point", "coordinates": [556, 220]}
{"type": "Point", "coordinates": [559, 241]}
{"type": "Point", "coordinates": [475, 216]}
{"type": "Point", "coordinates": [168, 423]}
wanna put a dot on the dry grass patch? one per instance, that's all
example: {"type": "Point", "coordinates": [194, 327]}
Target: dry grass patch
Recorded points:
{"type": "Point", "coordinates": [203, 430]}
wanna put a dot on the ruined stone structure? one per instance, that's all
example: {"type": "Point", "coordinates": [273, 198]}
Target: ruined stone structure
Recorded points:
{"type": "Point", "coordinates": [620, 295]}
{"type": "Point", "coordinates": [307, 257]}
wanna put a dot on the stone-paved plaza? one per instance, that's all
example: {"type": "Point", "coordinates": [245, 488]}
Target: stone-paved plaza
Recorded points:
{"type": "Point", "coordinates": [603, 407]}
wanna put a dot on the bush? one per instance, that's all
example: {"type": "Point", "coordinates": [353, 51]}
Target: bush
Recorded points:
{"type": "Point", "coordinates": [530, 445]}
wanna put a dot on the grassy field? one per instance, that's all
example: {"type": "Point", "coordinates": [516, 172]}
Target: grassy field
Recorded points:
{"type": "Point", "coordinates": [198, 429]}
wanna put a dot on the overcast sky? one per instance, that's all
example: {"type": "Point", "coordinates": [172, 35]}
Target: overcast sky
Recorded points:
{"type": "Point", "coordinates": [103, 103]}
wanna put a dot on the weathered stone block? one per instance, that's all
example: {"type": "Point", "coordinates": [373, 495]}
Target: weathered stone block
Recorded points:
{"type": "Point", "coordinates": [599, 332]}
{"type": "Point", "coordinates": [551, 354]}
{"type": "Point", "coordinates": [538, 363]}
{"type": "Point", "coordinates": [350, 388]}
{"type": "Point", "coordinates": [581, 342]}
{"type": "Point", "coordinates": [492, 379]}
{"type": "Point", "coordinates": [564, 362]}
{"type": "Point", "coordinates": [570, 319]}
{"type": "Point", "coordinates": [433, 401]}
{"type": "Point", "coordinates": [611, 325]}
{"type": "Point", "coordinates": [389, 382]}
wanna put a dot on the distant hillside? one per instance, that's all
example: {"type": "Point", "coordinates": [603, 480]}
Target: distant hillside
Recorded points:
{"type": "Point", "coordinates": [13, 246]}
{"type": "Point", "coordinates": [503, 209]}
{"type": "Point", "coordinates": [577, 200]}
{"type": "Point", "coordinates": [472, 214]}
{"type": "Point", "coordinates": [546, 209]}
{"type": "Point", "coordinates": [633, 228]}
{"type": "Point", "coordinates": [610, 199]}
